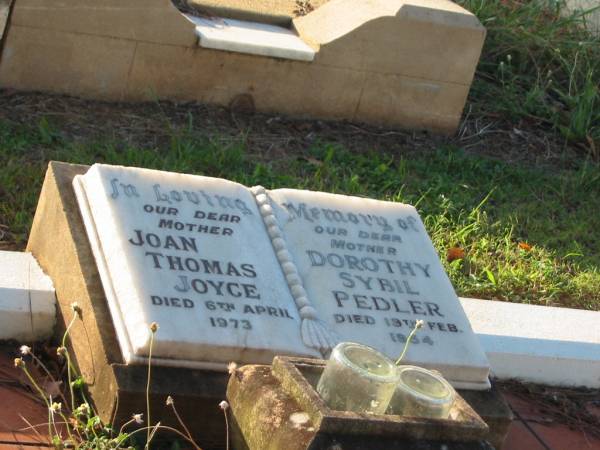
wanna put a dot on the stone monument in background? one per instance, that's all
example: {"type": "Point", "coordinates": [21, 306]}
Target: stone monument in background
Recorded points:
{"type": "Point", "coordinates": [398, 63]}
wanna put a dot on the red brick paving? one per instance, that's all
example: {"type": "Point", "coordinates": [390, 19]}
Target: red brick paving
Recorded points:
{"type": "Point", "coordinates": [533, 429]}
{"type": "Point", "coordinates": [5, 446]}
{"type": "Point", "coordinates": [519, 437]}
{"type": "Point", "coordinates": [16, 401]}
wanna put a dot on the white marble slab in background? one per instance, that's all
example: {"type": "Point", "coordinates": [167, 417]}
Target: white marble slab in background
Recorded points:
{"type": "Point", "coordinates": [251, 37]}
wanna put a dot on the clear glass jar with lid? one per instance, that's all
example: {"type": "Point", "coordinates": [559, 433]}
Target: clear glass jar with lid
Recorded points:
{"type": "Point", "coordinates": [358, 378]}
{"type": "Point", "coordinates": [421, 393]}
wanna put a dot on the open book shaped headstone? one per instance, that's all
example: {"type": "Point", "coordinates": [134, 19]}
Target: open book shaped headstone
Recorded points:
{"type": "Point", "coordinates": [241, 274]}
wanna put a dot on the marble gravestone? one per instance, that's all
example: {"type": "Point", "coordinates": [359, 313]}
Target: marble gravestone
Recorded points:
{"type": "Point", "coordinates": [372, 271]}
{"type": "Point", "coordinates": [191, 254]}
{"type": "Point", "coordinates": [241, 274]}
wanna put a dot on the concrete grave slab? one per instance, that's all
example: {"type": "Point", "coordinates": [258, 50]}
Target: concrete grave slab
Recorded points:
{"type": "Point", "coordinates": [79, 55]}
{"type": "Point", "coordinates": [27, 301]}
{"type": "Point", "coordinates": [434, 40]}
{"type": "Point", "coordinates": [132, 20]}
{"type": "Point", "coordinates": [295, 88]}
{"type": "Point", "coordinates": [252, 38]}
{"type": "Point", "coordinates": [397, 63]}
{"type": "Point", "coordinates": [540, 344]}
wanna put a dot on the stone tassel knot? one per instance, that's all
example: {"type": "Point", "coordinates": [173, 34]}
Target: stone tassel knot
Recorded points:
{"type": "Point", "coordinates": [315, 333]}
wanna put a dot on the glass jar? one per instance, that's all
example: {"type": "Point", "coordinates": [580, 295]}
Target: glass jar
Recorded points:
{"type": "Point", "coordinates": [358, 378]}
{"type": "Point", "coordinates": [421, 393]}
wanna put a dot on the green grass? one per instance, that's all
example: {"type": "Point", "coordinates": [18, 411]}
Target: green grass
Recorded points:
{"type": "Point", "coordinates": [539, 64]}
{"type": "Point", "coordinates": [481, 205]}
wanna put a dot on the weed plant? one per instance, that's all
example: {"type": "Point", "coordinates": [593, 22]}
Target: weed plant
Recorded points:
{"type": "Point", "coordinates": [540, 63]}
{"type": "Point", "coordinates": [74, 424]}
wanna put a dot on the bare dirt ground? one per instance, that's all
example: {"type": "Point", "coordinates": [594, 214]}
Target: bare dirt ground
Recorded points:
{"type": "Point", "coordinates": [275, 136]}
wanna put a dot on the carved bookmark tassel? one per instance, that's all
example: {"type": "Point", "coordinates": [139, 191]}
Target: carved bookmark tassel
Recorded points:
{"type": "Point", "coordinates": [315, 332]}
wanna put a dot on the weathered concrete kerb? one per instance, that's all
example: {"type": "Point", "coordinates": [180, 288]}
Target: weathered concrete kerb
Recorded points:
{"type": "Point", "coordinates": [402, 63]}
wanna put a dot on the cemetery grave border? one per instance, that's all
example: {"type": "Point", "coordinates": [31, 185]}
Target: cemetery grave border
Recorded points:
{"type": "Point", "coordinates": [367, 66]}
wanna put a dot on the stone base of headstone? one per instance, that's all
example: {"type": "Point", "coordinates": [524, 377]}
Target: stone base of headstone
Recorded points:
{"type": "Point", "coordinates": [59, 242]}
{"type": "Point", "coordinates": [278, 407]}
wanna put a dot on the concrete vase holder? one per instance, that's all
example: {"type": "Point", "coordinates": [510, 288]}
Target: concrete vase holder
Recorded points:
{"type": "Point", "coordinates": [278, 407]}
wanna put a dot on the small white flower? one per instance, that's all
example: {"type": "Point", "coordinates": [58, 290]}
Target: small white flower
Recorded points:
{"type": "Point", "coordinates": [55, 407]}
{"type": "Point", "coordinates": [154, 327]}
{"type": "Point", "coordinates": [170, 401]}
{"type": "Point", "coordinates": [419, 324]}
{"type": "Point", "coordinates": [224, 405]}
{"type": "Point", "coordinates": [138, 418]}
{"type": "Point", "coordinates": [231, 368]}
{"type": "Point", "coordinates": [25, 350]}
{"type": "Point", "coordinates": [83, 409]}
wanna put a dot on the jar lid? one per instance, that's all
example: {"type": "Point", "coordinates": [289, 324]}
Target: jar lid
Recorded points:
{"type": "Point", "coordinates": [366, 360]}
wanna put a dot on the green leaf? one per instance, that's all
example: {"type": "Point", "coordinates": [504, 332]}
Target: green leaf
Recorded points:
{"type": "Point", "coordinates": [490, 276]}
